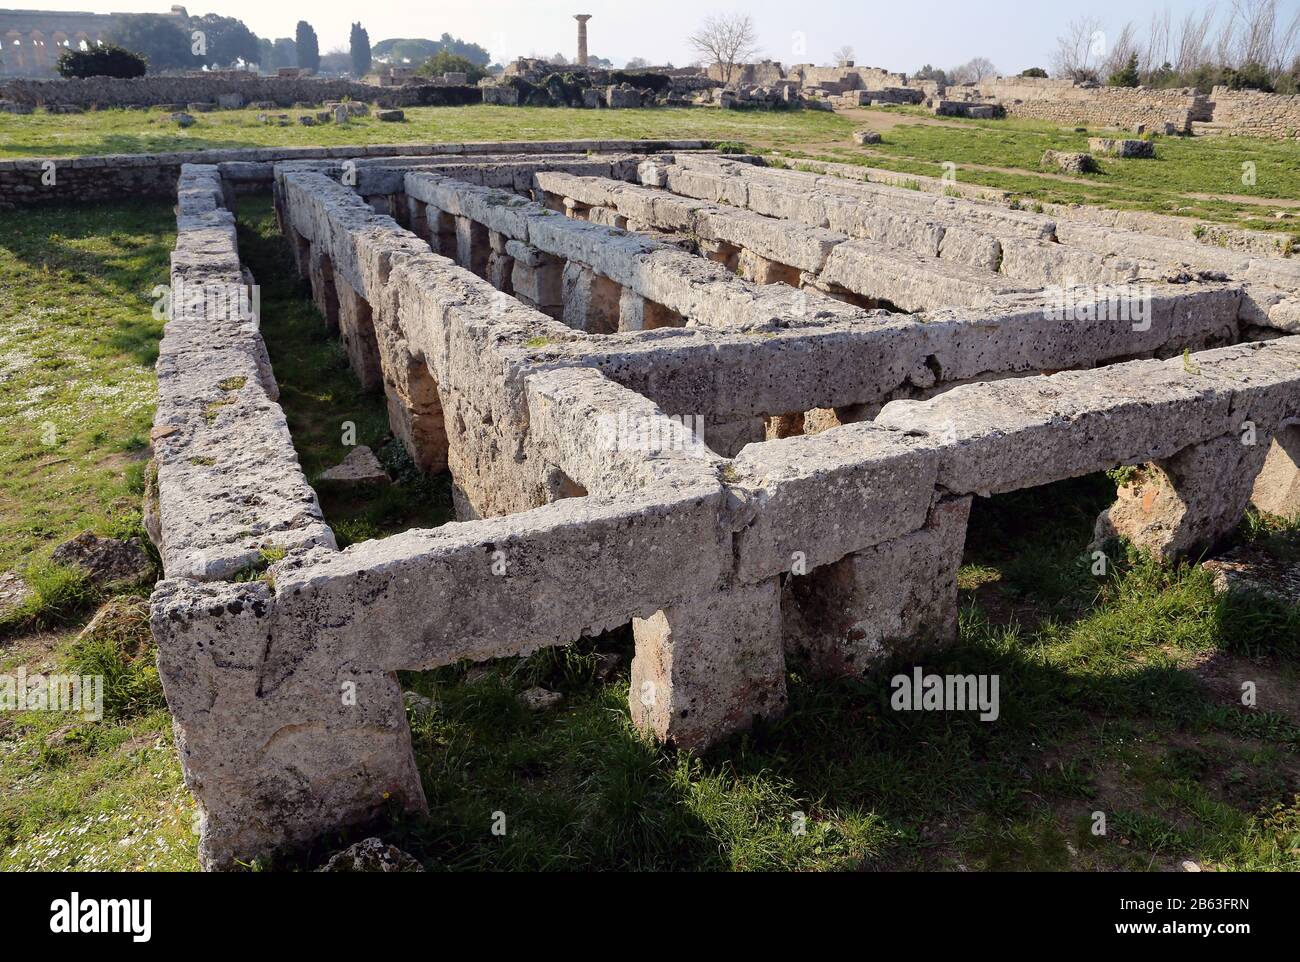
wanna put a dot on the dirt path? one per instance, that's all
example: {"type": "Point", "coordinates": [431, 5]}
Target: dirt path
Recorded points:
{"type": "Point", "coordinates": [887, 120]}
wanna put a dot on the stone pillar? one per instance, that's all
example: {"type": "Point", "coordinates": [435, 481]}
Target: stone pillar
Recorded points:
{"type": "Point", "coordinates": [415, 409]}
{"type": "Point", "coordinates": [321, 271]}
{"type": "Point", "coordinates": [582, 19]}
{"type": "Point", "coordinates": [896, 597]}
{"type": "Point", "coordinates": [357, 331]}
{"type": "Point", "coordinates": [726, 438]}
{"type": "Point", "coordinates": [1277, 489]}
{"type": "Point", "coordinates": [550, 201]}
{"type": "Point", "coordinates": [501, 265]}
{"type": "Point", "coordinates": [538, 278]}
{"type": "Point", "coordinates": [280, 741]}
{"type": "Point", "coordinates": [301, 250]}
{"type": "Point", "coordinates": [1188, 502]}
{"type": "Point", "coordinates": [607, 217]}
{"type": "Point", "coordinates": [472, 247]}
{"type": "Point", "coordinates": [760, 270]}
{"type": "Point", "coordinates": [591, 301]}
{"type": "Point", "coordinates": [635, 313]}
{"type": "Point", "coordinates": [415, 412]}
{"type": "Point", "coordinates": [575, 210]}
{"type": "Point", "coordinates": [785, 426]}
{"type": "Point", "coordinates": [417, 216]}
{"type": "Point", "coordinates": [706, 669]}
{"type": "Point", "coordinates": [720, 252]}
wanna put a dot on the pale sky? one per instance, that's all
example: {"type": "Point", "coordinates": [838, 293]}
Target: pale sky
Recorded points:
{"type": "Point", "coordinates": [901, 36]}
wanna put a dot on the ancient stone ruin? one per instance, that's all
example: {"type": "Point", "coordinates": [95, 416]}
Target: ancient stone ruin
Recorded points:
{"type": "Point", "coordinates": [744, 408]}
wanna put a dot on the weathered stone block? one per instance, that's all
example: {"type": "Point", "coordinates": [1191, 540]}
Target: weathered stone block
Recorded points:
{"type": "Point", "coordinates": [897, 598]}
{"type": "Point", "coordinates": [707, 668]}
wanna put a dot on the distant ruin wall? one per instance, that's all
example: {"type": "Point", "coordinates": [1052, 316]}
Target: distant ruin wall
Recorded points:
{"type": "Point", "coordinates": [850, 78]}
{"type": "Point", "coordinates": [1254, 114]}
{"type": "Point", "coordinates": [1064, 102]}
{"type": "Point", "coordinates": [27, 180]}
{"type": "Point", "coordinates": [284, 91]}
{"type": "Point", "coordinates": [762, 74]}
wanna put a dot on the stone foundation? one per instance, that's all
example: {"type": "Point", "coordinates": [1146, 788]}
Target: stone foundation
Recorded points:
{"type": "Point", "coordinates": [614, 401]}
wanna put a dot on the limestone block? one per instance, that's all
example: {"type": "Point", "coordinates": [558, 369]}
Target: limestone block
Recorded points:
{"type": "Point", "coordinates": [357, 332]}
{"type": "Point", "coordinates": [538, 279]}
{"type": "Point", "coordinates": [811, 500]}
{"type": "Point", "coordinates": [1071, 162]}
{"type": "Point", "coordinates": [706, 668]}
{"type": "Point", "coordinates": [591, 302]}
{"type": "Point", "coordinates": [274, 758]}
{"type": "Point", "coordinates": [635, 313]}
{"type": "Point", "coordinates": [1188, 502]}
{"type": "Point", "coordinates": [1112, 147]}
{"type": "Point", "coordinates": [472, 247]}
{"type": "Point", "coordinates": [908, 281]}
{"type": "Point", "coordinates": [897, 598]}
{"type": "Point", "coordinates": [754, 267]}
{"type": "Point", "coordinates": [506, 585]}
{"type": "Point", "coordinates": [1077, 422]}
{"type": "Point", "coordinates": [1277, 490]}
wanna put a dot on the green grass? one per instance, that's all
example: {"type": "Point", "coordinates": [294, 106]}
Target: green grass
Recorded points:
{"type": "Point", "coordinates": [78, 342]}
{"type": "Point", "coordinates": [1117, 693]}
{"type": "Point", "coordinates": [125, 131]}
{"type": "Point", "coordinates": [1183, 166]}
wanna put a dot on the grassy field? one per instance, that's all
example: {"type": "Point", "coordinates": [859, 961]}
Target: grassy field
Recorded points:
{"type": "Point", "coordinates": [1190, 176]}
{"type": "Point", "coordinates": [133, 132]}
{"type": "Point", "coordinates": [78, 341]}
{"type": "Point", "coordinates": [1201, 177]}
{"type": "Point", "coordinates": [1119, 695]}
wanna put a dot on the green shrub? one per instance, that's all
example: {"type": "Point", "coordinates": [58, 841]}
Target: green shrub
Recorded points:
{"type": "Point", "coordinates": [446, 62]}
{"type": "Point", "coordinates": [108, 60]}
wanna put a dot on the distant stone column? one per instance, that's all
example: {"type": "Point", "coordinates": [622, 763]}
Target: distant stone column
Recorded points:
{"type": "Point", "coordinates": [582, 19]}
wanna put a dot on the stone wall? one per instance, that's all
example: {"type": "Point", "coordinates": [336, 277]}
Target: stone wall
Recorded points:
{"type": "Point", "coordinates": [284, 91]}
{"type": "Point", "coordinates": [1065, 102]}
{"type": "Point", "coordinates": [847, 78]}
{"type": "Point", "coordinates": [492, 317]}
{"type": "Point", "coordinates": [114, 176]}
{"type": "Point", "coordinates": [1255, 114]}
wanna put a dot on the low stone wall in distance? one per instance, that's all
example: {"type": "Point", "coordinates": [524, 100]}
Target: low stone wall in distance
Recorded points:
{"type": "Point", "coordinates": [1064, 102]}
{"type": "Point", "coordinates": [115, 176]}
{"type": "Point", "coordinates": [1254, 114]}
{"type": "Point", "coordinates": [104, 92]}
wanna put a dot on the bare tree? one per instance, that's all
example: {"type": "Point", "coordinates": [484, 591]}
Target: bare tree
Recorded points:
{"type": "Point", "coordinates": [1263, 38]}
{"type": "Point", "coordinates": [637, 63]}
{"type": "Point", "coordinates": [1080, 50]}
{"type": "Point", "coordinates": [726, 40]}
{"type": "Point", "coordinates": [1119, 51]}
{"type": "Point", "coordinates": [1159, 35]}
{"type": "Point", "coordinates": [1249, 32]}
{"type": "Point", "coordinates": [1225, 41]}
{"type": "Point", "coordinates": [973, 71]}
{"type": "Point", "coordinates": [1193, 48]}
{"type": "Point", "coordinates": [843, 55]}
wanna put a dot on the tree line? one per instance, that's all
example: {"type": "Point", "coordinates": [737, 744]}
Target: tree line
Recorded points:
{"type": "Point", "coordinates": [140, 43]}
